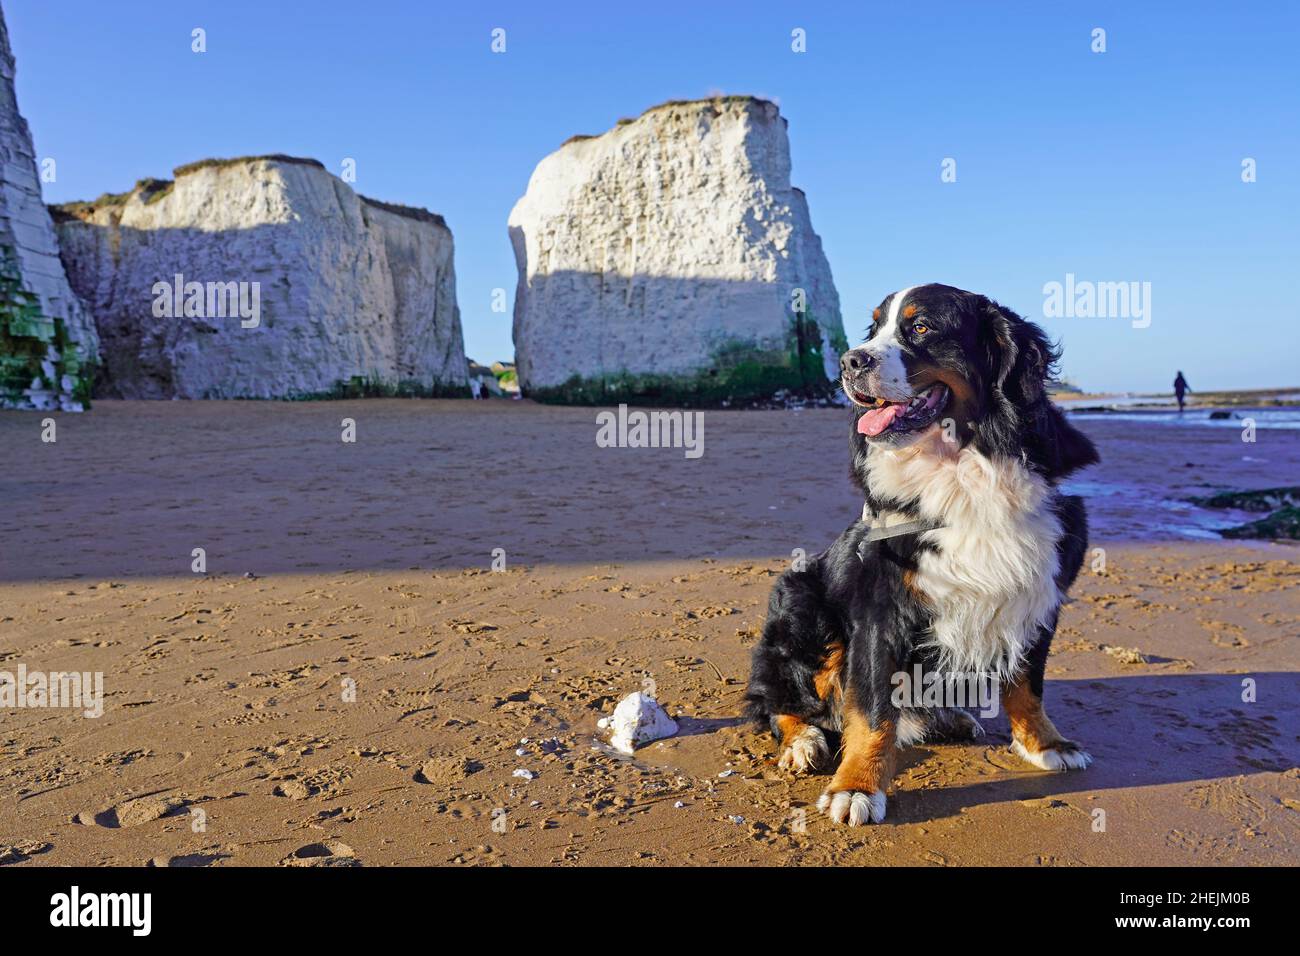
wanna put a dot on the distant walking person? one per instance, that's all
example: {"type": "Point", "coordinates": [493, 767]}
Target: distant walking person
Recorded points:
{"type": "Point", "coordinates": [1180, 389]}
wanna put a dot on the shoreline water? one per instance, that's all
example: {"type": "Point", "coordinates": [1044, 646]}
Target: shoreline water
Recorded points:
{"type": "Point", "coordinates": [1238, 417]}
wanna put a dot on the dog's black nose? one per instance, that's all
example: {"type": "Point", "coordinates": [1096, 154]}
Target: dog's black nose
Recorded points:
{"type": "Point", "coordinates": [856, 360]}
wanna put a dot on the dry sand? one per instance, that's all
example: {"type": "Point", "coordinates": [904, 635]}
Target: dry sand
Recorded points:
{"type": "Point", "coordinates": [228, 737]}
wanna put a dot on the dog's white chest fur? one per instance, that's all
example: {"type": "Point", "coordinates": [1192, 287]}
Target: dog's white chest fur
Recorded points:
{"type": "Point", "coordinates": [992, 582]}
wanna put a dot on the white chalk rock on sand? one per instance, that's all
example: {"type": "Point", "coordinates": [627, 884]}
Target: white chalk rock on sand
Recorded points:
{"type": "Point", "coordinates": [352, 295]}
{"type": "Point", "coordinates": [639, 719]}
{"type": "Point", "coordinates": [669, 255]}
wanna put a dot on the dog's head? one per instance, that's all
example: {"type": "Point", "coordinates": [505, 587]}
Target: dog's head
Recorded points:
{"type": "Point", "coordinates": [939, 361]}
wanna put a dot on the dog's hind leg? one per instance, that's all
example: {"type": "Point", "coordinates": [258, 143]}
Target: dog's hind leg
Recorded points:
{"type": "Point", "coordinates": [804, 745]}
{"type": "Point", "coordinates": [953, 723]}
{"type": "Point", "coordinates": [794, 683]}
{"type": "Point", "coordinates": [936, 724]}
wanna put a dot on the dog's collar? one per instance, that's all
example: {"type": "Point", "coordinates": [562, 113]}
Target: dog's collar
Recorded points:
{"type": "Point", "coordinates": [892, 524]}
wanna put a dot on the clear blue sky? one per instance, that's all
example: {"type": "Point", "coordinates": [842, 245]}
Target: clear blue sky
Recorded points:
{"type": "Point", "coordinates": [1122, 166]}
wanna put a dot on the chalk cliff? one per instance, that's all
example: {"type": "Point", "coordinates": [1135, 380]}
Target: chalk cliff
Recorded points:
{"type": "Point", "coordinates": [264, 277]}
{"type": "Point", "coordinates": [670, 259]}
{"type": "Point", "coordinates": [47, 341]}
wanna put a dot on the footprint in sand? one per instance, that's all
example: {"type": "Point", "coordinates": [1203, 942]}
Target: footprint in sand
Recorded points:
{"type": "Point", "coordinates": [446, 770]}
{"type": "Point", "coordinates": [325, 853]}
{"type": "Point", "coordinates": [1200, 844]}
{"type": "Point", "coordinates": [1051, 806]}
{"type": "Point", "coordinates": [1048, 859]}
{"type": "Point", "coordinates": [295, 790]}
{"type": "Point", "coordinates": [133, 813]}
{"type": "Point", "coordinates": [323, 781]}
{"type": "Point", "coordinates": [22, 851]}
{"type": "Point", "coordinates": [188, 859]}
{"type": "Point", "coordinates": [465, 626]}
{"type": "Point", "coordinates": [1004, 759]}
{"type": "Point", "coordinates": [1230, 800]}
{"type": "Point", "coordinates": [482, 855]}
{"type": "Point", "coordinates": [1224, 634]}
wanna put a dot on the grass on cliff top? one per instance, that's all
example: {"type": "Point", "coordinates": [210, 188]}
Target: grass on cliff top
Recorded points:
{"type": "Point", "coordinates": [717, 101]}
{"type": "Point", "coordinates": [188, 168]}
{"type": "Point", "coordinates": [735, 98]}
{"type": "Point", "coordinates": [150, 190]}
{"type": "Point", "coordinates": [410, 212]}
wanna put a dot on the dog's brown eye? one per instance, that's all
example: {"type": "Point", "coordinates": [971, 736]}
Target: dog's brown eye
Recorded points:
{"type": "Point", "coordinates": [920, 328]}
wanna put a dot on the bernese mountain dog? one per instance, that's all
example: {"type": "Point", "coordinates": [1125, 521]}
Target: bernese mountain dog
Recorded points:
{"type": "Point", "coordinates": [958, 566]}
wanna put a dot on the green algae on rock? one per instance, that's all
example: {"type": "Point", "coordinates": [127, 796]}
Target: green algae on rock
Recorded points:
{"type": "Point", "coordinates": [1282, 506]}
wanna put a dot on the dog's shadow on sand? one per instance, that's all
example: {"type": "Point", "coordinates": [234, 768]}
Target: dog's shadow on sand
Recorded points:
{"type": "Point", "coordinates": [696, 726]}
{"type": "Point", "coordinates": [1141, 731]}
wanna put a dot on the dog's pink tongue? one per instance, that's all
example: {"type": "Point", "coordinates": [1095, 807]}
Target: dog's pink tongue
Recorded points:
{"type": "Point", "coordinates": [876, 420]}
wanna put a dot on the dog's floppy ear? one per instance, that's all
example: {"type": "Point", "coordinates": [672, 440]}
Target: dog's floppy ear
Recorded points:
{"type": "Point", "coordinates": [1020, 356]}
{"type": "Point", "coordinates": [1019, 415]}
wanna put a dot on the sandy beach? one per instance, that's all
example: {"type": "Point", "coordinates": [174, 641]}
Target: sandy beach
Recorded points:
{"type": "Point", "coordinates": [350, 681]}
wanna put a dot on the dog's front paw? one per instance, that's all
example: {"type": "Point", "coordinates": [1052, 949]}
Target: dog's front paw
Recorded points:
{"type": "Point", "coordinates": [804, 751]}
{"type": "Point", "coordinates": [1062, 755]}
{"type": "Point", "coordinates": [853, 807]}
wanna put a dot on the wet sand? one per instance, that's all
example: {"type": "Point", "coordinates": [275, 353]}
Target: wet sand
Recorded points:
{"type": "Point", "coordinates": [363, 695]}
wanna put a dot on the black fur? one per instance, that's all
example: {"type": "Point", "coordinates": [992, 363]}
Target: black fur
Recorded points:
{"type": "Point", "coordinates": [1020, 419]}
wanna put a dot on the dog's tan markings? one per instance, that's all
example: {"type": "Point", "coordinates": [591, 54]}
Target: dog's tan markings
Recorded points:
{"type": "Point", "coordinates": [875, 313]}
{"type": "Point", "coordinates": [856, 795]}
{"type": "Point", "coordinates": [959, 385]}
{"type": "Point", "coordinates": [1029, 722]}
{"type": "Point", "coordinates": [1033, 735]}
{"type": "Point", "coordinates": [827, 681]}
{"type": "Point", "coordinates": [909, 311]}
{"type": "Point", "coordinates": [803, 745]}
{"type": "Point", "coordinates": [868, 761]}
{"type": "Point", "coordinates": [909, 582]}
{"type": "Point", "coordinates": [790, 727]}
